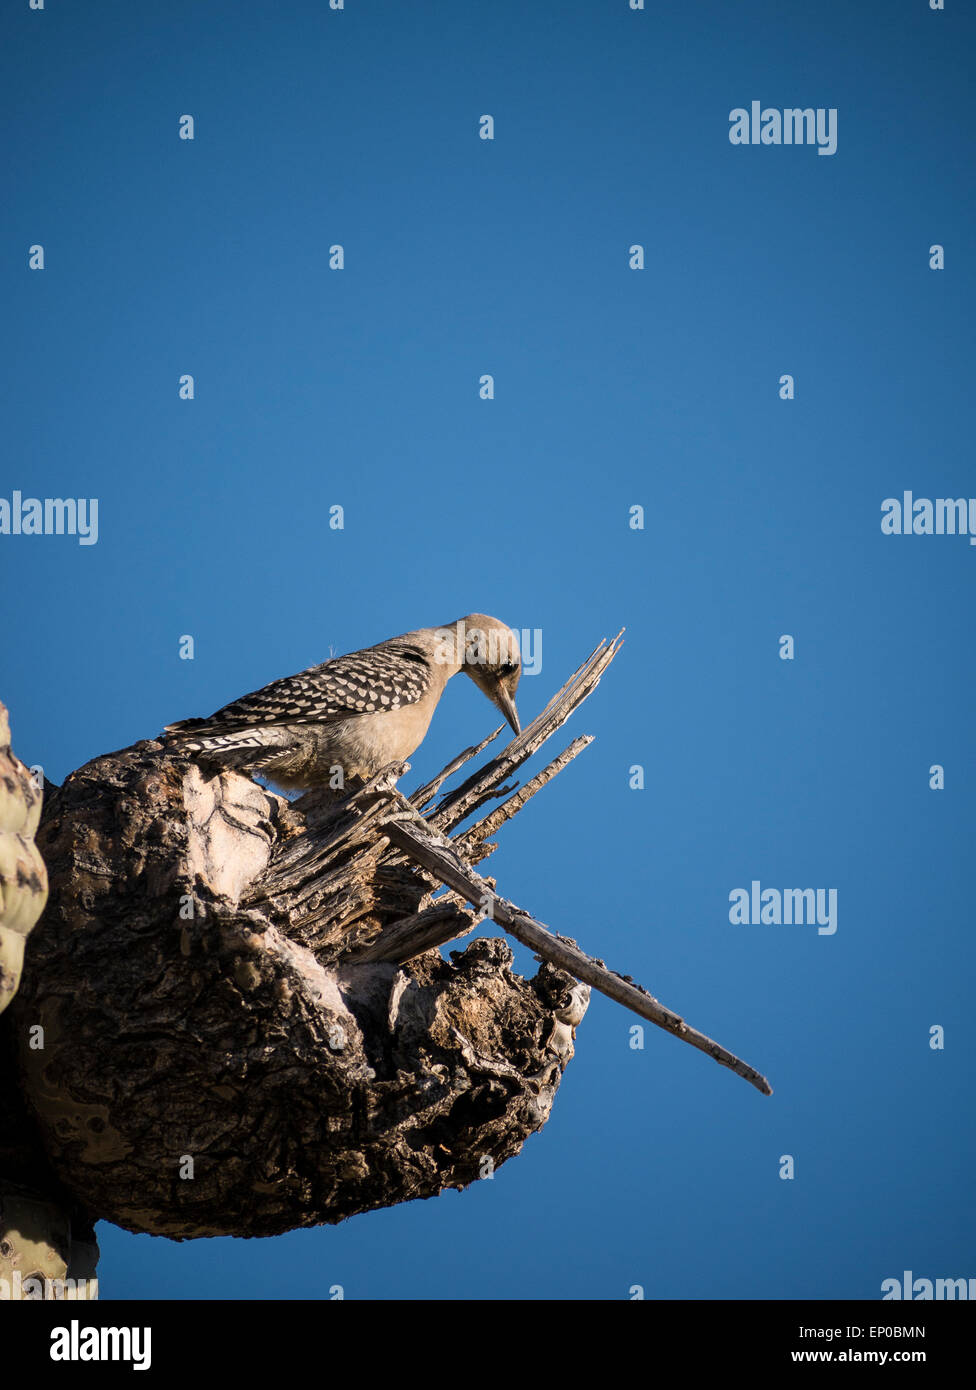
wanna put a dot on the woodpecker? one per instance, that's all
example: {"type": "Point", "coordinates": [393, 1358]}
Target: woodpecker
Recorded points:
{"type": "Point", "coordinates": [343, 720]}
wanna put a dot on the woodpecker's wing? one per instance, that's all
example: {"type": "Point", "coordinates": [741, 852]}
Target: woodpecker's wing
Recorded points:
{"type": "Point", "coordinates": [366, 682]}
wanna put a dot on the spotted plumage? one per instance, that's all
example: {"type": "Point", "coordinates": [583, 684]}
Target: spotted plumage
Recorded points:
{"type": "Point", "coordinates": [385, 677]}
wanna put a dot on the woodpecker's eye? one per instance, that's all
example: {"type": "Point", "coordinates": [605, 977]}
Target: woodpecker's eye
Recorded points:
{"type": "Point", "coordinates": [508, 668]}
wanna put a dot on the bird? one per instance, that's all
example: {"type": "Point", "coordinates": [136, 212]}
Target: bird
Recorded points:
{"type": "Point", "coordinates": [337, 724]}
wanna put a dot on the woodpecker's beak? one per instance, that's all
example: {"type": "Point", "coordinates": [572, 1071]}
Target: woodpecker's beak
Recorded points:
{"type": "Point", "coordinates": [506, 704]}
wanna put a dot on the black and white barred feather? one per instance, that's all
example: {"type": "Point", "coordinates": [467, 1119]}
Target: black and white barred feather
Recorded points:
{"type": "Point", "coordinates": [375, 680]}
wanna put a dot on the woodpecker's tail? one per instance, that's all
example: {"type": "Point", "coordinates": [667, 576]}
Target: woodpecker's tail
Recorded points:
{"type": "Point", "coordinates": [177, 736]}
{"type": "Point", "coordinates": [191, 736]}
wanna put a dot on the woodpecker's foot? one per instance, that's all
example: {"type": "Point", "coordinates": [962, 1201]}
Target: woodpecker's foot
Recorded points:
{"type": "Point", "coordinates": [380, 787]}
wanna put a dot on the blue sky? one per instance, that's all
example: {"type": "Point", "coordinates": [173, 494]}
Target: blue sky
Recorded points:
{"type": "Point", "coordinates": [613, 387]}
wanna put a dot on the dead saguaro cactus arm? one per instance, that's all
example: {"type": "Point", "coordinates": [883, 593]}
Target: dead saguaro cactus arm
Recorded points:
{"type": "Point", "coordinates": [211, 1066]}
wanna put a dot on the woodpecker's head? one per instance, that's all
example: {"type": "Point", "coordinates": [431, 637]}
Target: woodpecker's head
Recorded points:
{"type": "Point", "coordinates": [491, 658]}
